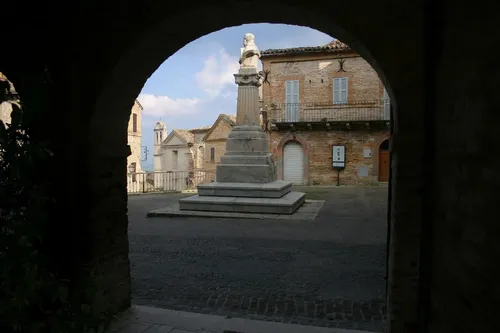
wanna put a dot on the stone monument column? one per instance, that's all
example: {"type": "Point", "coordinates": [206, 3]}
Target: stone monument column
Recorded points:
{"type": "Point", "coordinates": [247, 158]}
{"type": "Point", "coordinates": [247, 110]}
{"type": "Point", "coordinates": [246, 176]}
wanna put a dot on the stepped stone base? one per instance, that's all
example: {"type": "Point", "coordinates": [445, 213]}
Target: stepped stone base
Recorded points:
{"type": "Point", "coordinates": [307, 212]}
{"type": "Point", "coordinates": [245, 173]}
{"type": "Point", "coordinates": [275, 189]}
{"type": "Point", "coordinates": [287, 204]}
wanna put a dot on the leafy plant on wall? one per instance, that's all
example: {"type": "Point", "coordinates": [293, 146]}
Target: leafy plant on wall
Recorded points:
{"type": "Point", "coordinates": [34, 298]}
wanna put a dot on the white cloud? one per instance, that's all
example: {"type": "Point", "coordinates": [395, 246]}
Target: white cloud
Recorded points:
{"type": "Point", "coordinates": [216, 76]}
{"type": "Point", "coordinates": [159, 106]}
{"type": "Point", "coordinates": [218, 71]}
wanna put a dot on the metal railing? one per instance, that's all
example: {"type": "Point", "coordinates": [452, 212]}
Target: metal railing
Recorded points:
{"type": "Point", "coordinates": [167, 181]}
{"type": "Point", "coordinates": [369, 110]}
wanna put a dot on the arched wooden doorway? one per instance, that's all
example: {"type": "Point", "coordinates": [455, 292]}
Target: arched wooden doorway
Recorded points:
{"type": "Point", "coordinates": [383, 161]}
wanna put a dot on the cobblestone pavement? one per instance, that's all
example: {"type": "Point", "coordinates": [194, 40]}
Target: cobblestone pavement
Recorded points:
{"type": "Point", "coordinates": [326, 272]}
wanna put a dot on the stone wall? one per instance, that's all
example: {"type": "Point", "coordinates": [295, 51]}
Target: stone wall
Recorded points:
{"type": "Point", "coordinates": [318, 151]}
{"type": "Point", "coordinates": [462, 240]}
{"type": "Point", "coordinates": [198, 149]}
{"type": "Point", "coordinates": [220, 149]}
{"type": "Point", "coordinates": [199, 152]}
{"type": "Point", "coordinates": [217, 140]}
{"type": "Point", "coordinates": [184, 158]}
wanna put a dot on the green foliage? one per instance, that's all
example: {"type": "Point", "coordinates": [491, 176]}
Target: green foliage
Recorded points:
{"type": "Point", "coordinates": [34, 299]}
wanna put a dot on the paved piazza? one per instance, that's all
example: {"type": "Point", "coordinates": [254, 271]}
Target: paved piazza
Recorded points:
{"type": "Point", "coordinates": [325, 272]}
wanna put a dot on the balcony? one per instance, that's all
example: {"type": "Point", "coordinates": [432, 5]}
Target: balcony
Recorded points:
{"type": "Point", "coordinates": [369, 112]}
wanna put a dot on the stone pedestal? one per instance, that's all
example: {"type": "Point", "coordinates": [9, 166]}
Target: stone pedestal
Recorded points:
{"type": "Point", "coordinates": [247, 159]}
{"type": "Point", "coordinates": [246, 176]}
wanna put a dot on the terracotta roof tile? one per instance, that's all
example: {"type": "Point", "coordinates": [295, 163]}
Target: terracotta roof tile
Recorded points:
{"type": "Point", "coordinates": [231, 119]}
{"type": "Point", "coordinates": [200, 129]}
{"type": "Point", "coordinates": [334, 46]}
{"type": "Point", "coordinates": [185, 134]}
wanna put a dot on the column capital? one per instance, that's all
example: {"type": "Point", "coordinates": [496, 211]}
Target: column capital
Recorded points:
{"type": "Point", "coordinates": [248, 77]}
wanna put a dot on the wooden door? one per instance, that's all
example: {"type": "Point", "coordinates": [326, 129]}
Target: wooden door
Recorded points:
{"type": "Point", "coordinates": [383, 166]}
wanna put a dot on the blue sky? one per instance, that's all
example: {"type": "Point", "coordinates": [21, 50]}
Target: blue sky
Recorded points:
{"type": "Point", "coordinates": [192, 87]}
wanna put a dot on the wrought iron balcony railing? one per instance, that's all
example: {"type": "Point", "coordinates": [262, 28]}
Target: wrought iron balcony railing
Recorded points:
{"type": "Point", "coordinates": [370, 110]}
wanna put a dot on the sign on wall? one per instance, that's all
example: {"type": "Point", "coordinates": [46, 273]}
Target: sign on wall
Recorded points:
{"type": "Point", "coordinates": [362, 171]}
{"type": "Point", "coordinates": [338, 157]}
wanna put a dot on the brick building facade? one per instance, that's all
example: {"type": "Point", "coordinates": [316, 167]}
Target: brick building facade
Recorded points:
{"type": "Point", "coordinates": [319, 97]}
{"type": "Point", "coordinates": [215, 140]}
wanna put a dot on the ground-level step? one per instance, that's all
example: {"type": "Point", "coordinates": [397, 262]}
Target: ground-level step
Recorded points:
{"type": "Point", "coordinates": [287, 204]}
{"type": "Point", "coordinates": [275, 189]}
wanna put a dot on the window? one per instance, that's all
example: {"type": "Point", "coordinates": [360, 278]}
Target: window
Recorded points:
{"type": "Point", "coordinates": [212, 154]}
{"type": "Point", "coordinates": [387, 105]}
{"type": "Point", "coordinates": [175, 160]}
{"type": "Point", "coordinates": [340, 90]}
{"type": "Point", "coordinates": [134, 174]}
{"type": "Point", "coordinates": [134, 122]}
{"type": "Point", "coordinates": [292, 100]}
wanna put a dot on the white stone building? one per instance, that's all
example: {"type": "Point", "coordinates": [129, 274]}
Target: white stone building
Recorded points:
{"type": "Point", "coordinates": [181, 150]}
{"type": "Point", "coordinates": [136, 177]}
{"type": "Point", "coordinates": [178, 156]}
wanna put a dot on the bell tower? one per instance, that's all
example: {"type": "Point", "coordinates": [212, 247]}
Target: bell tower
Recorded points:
{"type": "Point", "coordinates": [160, 133]}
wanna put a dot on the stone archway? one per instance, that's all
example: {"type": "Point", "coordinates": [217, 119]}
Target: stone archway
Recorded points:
{"type": "Point", "coordinates": [279, 154]}
{"type": "Point", "coordinates": [436, 197]}
{"type": "Point", "coordinates": [103, 78]}
{"type": "Point", "coordinates": [126, 83]}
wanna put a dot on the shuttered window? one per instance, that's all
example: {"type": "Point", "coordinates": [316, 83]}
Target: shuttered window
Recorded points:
{"type": "Point", "coordinates": [340, 90]}
{"type": "Point", "coordinates": [292, 100]}
{"type": "Point", "coordinates": [387, 105]}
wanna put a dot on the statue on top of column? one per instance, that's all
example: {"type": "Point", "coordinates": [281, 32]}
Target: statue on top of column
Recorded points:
{"type": "Point", "coordinates": [250, 54]}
